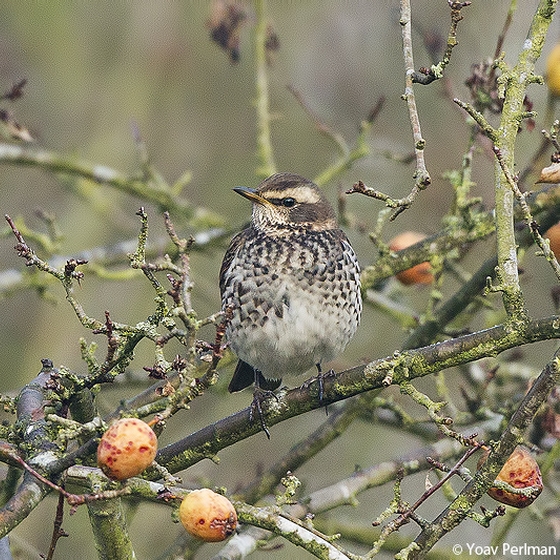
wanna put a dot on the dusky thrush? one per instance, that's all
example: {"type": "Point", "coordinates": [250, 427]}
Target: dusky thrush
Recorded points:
{"type": "Point", "coordinates": [291, 281]}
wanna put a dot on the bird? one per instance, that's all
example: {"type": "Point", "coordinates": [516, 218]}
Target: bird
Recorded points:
{"type": "Point", "coordinates": [290, 282]}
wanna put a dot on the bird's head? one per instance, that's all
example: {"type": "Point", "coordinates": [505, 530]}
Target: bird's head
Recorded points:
{"type": "Point", "coordinates": [287, 200]}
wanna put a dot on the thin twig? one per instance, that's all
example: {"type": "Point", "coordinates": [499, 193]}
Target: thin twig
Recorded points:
{"type": "Point", "coordinates": [264, 145]}
{"type": "Point", "coordinates": [409, 511]}
{"type": "Point", "coordinates": [527, 215]}
{"type": "Point", "coordinates": [426, 76]}
{"type": "Point", "coordinates": [505, 28]}
{"type": "Point", "coordinates": [399, 204]}
{"type": "Point", "coordinates": [421, 175]}
{"type": "Point", "coordinates": [323, 128]}
{"type": "Point", "coordinates": [478, 117]}
{"type": "Point", "coordinates": [164, 198]}
{"type": "Point", "coordinates": [58, 531]}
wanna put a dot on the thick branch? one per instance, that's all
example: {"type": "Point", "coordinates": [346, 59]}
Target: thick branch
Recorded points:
{"type": "Point", "coordinates": [378, 374]}
{"type": "Point", "coordinates": [23, 502]}
{"type": "Point", "coordinates": [515, 83]}
{"type": "Point", "coordinates": [110, 529]}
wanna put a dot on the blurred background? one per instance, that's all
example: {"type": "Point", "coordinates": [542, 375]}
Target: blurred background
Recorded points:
{"type": "Point", "coordinates": [97, 70]}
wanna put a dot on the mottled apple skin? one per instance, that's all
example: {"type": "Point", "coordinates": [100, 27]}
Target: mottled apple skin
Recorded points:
{"type": "Point", "coordinates": [520, 471]}
{"type": "Point", "coordinates": [207, 515]}
{"type": "Point", "coordinates": [126, 448]}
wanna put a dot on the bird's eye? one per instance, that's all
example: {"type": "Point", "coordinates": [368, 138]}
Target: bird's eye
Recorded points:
{"type": "Point", "coordinates": [288, 202]}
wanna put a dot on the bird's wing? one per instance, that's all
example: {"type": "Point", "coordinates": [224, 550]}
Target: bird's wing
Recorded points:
{"type": "Point", "coordinates": [236, 242]}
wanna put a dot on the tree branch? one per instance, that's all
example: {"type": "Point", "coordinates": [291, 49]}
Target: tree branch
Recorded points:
{"type": "Point", "coordinates": [164, 198]}
{"type": "Point", "coordinates": [264, 145]}
{"type": "Point", "coordinates": [421, 175]}
{"type": "Point", "coordinates": [410, 364]}
{"type": "Point", "coordinates": [510, 438]}
{"type": "Point", "coordinates": [517, 81]}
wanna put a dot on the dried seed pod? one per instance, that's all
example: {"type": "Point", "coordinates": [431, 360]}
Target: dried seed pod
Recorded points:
{"type": "Point", "coordinates": [207, 515]}
{"type": "Point", "coordinates": [126, 448]}
{"type": "Point", "coordinates": [520, 471]}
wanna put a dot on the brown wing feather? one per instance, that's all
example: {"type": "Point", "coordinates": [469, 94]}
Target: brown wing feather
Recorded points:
{"type": "Point", "coordinates": [238, 240]}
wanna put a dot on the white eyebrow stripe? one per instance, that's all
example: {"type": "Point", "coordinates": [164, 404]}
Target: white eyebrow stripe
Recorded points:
{"type": "Point", "coordinates": [308, 196]}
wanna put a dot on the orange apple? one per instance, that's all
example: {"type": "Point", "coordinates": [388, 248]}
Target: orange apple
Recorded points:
{"type": "Point", "coordinates": [553, 71]}
{"type": "Point", "coordinates": [207, 515]}
{"type": "Point", "coordinates": [520, 471]}
{"type": "Point", "coordinates": [419, 274]}
{"type": "Point", "coordinates": [553, 236]}
{"type": "Point", "coordinates": [126, 448]}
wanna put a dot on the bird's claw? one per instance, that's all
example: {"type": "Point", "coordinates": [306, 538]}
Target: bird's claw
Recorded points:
{"type": "Point", "coordinates": [259, 396]}
{"type": "Point", "coordinates": [321, 380]}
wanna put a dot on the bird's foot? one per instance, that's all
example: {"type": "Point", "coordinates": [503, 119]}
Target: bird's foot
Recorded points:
{"type": "Point", "coordinates": [259, 396]}
{"type": "Point", "coordinates": [321, 380]}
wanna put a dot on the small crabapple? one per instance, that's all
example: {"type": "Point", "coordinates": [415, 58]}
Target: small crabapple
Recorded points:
{"type": "Point", "coordinates": [553, 71]}
{"type": "Point", "coordinates": [126, 448]}
{"type": "Point", "coordinates": [519, 471]}
{"type": "Point", "coordinates": [207, 515]}
{"type": "Point", "coordinates": [419, 274]}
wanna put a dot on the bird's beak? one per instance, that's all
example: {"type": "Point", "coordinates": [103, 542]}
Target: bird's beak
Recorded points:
{"type": "Point", "coordinates": [252, 195]}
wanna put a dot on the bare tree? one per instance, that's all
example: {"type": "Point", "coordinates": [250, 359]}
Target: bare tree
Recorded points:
{"type": "Point", "coordinates": [476, 317]}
